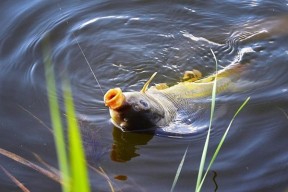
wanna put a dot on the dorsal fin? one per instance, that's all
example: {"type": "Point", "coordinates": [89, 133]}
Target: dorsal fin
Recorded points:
{"type": "Point", "coordinates": [145, 87]}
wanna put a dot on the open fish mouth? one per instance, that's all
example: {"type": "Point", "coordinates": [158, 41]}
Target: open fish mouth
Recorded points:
{"type": "Point", "coordinates": [114, 98]}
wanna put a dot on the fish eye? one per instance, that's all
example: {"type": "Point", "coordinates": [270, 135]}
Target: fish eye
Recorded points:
{"type": "Point", "coordinates": [144, 103]}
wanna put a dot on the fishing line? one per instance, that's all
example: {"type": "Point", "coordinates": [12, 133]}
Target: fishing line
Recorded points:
{"type": "Point", "coordinates": [75, 39]}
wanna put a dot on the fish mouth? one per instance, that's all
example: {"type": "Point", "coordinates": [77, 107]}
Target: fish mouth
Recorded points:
{"type": "Point", "coordinates": [114, 98]}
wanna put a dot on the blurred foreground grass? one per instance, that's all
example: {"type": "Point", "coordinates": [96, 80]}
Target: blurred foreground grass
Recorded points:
{"type": "Point", "coordinates": [71, 157]}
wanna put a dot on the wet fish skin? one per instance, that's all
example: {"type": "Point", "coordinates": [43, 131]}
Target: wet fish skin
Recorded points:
{"type": "Point", "coordinates": [158, 107]}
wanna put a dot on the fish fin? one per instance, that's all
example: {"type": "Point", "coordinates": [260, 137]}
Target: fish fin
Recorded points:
{"type": "Point", "coordinates": [161, 86]}
{"type": "Point", "coordinates": [145, 87]}
{"type": "Point", "coordinates": [192, 76]}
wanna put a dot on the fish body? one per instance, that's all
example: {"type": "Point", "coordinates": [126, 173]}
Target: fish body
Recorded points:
{"type": "Point", "coordinates": [158, 107]}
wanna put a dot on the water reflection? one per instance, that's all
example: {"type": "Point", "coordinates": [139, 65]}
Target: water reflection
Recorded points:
{"type": "Point", "coordinates": [125, 144]}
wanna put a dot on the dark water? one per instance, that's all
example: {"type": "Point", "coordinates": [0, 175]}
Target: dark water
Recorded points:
{"type": "Point", "coordinates": [125, 42]}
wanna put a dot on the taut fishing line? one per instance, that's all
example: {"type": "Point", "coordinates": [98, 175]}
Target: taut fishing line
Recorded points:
{"type": "Point", "coordinates": [76, 40]}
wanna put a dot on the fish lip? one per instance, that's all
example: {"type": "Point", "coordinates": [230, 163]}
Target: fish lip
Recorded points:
{"type": "Point", "coordinates": [114, 98]}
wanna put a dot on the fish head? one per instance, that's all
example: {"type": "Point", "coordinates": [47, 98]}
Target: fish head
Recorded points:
{"type": "Point", "coordinates": [133, 111]}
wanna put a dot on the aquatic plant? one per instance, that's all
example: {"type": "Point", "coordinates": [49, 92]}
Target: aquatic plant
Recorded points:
{"type": "Point", "coordinates": [200, 179]}
{"type": "Point", "coordinates": [73, 169]}
{"type": "Point", "coordinates": [204, 153]}
{"type": "Point", "coordinates": [198, 188]}
{"type": "Point", "coordinates": [179, 170]}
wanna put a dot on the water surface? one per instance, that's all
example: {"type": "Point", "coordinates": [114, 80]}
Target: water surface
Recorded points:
{"type": "Point", "coordinates": [125, 42]}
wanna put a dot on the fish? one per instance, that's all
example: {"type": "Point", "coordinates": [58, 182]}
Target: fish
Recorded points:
{"type": "Point", "coordinates": [160, 105]}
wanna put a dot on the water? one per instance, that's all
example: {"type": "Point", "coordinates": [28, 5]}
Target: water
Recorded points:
{"type": "Point", "coordinates": [125, 42]}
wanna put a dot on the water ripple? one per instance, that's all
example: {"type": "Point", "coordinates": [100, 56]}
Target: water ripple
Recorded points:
{"type": "Point", "coordinates": [125, 42]}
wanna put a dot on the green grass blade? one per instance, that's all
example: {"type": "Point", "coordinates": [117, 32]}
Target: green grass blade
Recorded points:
{"type": "Point", "coordinates": [221, 143]}
{"type": "Point", "coordinates": [179, 170]}
{"type": "Point", "coordinates": [80, 179]}
{"type": "Point", "coordinates": [56, 118]}
{"type": "Point", "coordinates": [204, 153]}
